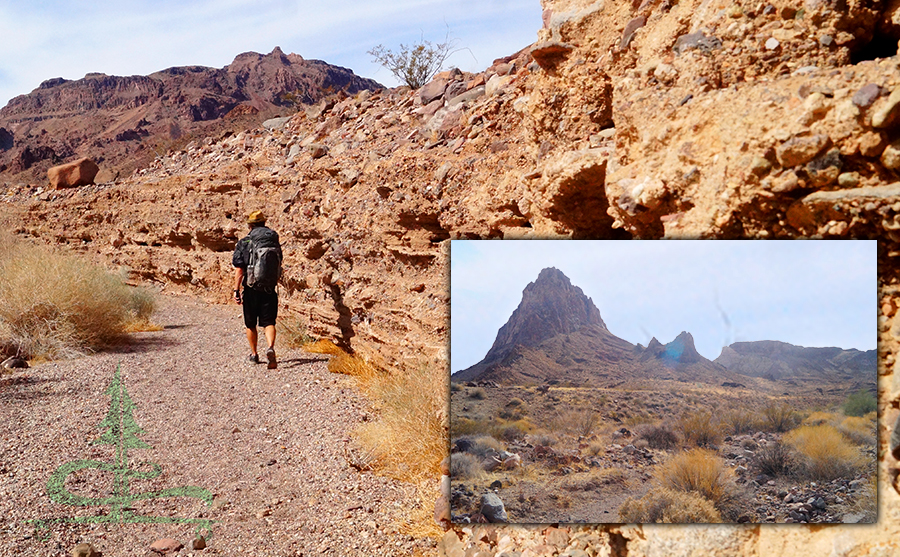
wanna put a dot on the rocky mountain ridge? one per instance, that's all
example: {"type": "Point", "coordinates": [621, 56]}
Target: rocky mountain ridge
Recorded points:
{"type": "Point", "coordinates": [556, 334]}
{"type": "Point", "coordinates": [125, 122]}
{"type": "Point", "coordinates": [779, 360]}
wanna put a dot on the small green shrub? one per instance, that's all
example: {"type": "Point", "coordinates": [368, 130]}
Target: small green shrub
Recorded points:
{"type": "Point", "coordinates": [860, 403]}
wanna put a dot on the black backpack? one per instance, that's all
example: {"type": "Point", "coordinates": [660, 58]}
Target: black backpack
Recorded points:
{"type": "Point", "coordinates": [264, 268]}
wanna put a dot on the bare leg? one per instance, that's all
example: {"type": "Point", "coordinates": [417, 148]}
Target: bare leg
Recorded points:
{"type": "Point", "coordinates": [252, 337]}
{"type": "Point", "coordinates": [270, 335]}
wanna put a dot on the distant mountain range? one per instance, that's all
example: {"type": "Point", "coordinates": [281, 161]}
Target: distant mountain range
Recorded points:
{"type": "Point", "coordinates": [556, 334]}
{"type": "Point", "coordinates": [122, 122]}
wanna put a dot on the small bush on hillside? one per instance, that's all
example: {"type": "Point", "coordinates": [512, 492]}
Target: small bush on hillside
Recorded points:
{"type": "Point", "coordinates": [660, 436]}
{"type": "Point", "coordinates": [774, 460]}
{"type": "Point", "coordinates": [293, 332]}
{"type": "Point", "coordinates": [464, 465]}
{"type": "Point", "coordinates": [455, 387]}
{"type": "Point", "coordinates": [58, 305]}
{"type": "Point", "coordinates": [699, 470]}
{"type": "Point", "coordinates": [580, 423]}
{"type": "Point", "coordinates": [480, 445]}
{"type": "Point", "coordinates": [819, 418]}
{"type": "Point", "coordinates": [823, 452]}
{"type": "Point", "coordinates": [669, 506]}
{"type": "Point", "coordinates": [478, 394]}
{"type": "Point", "coordinates": [467, 426]}
{"type": "Point", "coordinates": [860, 403]}
{"type": "Point", "coordinates": [515, 402]}
{"type": "Point", "coordinates": [779, 417]}
{"type": "Point", "coordinates": [545, 439]}
{"type": "Point", "coordinates": [698, 429]}
{"type": "Point", "coordinates": [737, 422]}
{"type": "Point", "coordinates": [415, 65]}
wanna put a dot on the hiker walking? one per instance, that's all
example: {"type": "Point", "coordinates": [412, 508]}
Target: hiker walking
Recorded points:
{"type": "Point", "coordinates": [257, 267]}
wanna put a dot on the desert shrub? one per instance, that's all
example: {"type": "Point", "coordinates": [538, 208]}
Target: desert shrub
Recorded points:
{"type": "Point", "coordinates": [354, 365]}
{"type": "Point", "coordinates": [749, 444]}
{"type": "Point", "coordinates": [58, 305]}
{"type": "Point", "coordinates": [464, 465]}
{"type": "Point", "coordinates": [595, 448]}
{"type": "Point", "coordinates": [819, 418]}
{"type": "Point", "coordinates": [293, 332]}
{"type": "Point", "coordinates": [638, 419]}
{"type": "Point", "coordinates": [779, 417]}
{"type": "Point", "coordinates": [698, 429]}
{"type": "Point", "coordinates": [480, 445]}
{"type": "Point", "coordinates": [515, 402]}
{"type": "Point", "coordinates": [857, 430]}
{"type": "Point", "coordinates": [698, 470]}
{"type": "Point", "coordinates": [455, 387]}
{"type": "Point", "coordinates": [823, 452]}
{"type": "Point", "coordinates": [737, 422]}
{"type": "Point", "coordinates": [581, 423]}
{"type": "Point", "coordinates": [774, 460]}
{"type": "Point", "coordinates": [478, 394]}
{"type": "Point", "coordinates": [415, 65]}
{"type": "Point", "coordinates": [860, 403]}
{"type": "Point", "coordinates": [545, 439]}
{"type": "Point", "coordinates": [660, 436]}
{"type": "Point", "coordinates": [669, 506]}
{"type": "Point", "coordinates": [510, 432]}
{"type": "Point", "coordinates": [467, 426]}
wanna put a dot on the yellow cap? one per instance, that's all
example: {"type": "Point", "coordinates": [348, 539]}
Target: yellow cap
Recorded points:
{"type": "Point", "coordinates": [256, 217]}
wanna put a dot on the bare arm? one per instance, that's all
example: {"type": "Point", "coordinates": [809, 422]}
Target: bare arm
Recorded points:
{"type": "Point", "coordinates": [238, 279]}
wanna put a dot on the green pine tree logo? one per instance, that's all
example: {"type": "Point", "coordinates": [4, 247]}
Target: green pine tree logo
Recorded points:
{"type": "Point", "coordinates": [121, 431]}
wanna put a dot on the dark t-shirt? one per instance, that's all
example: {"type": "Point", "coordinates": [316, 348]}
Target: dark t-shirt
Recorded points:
{"type": "Point", "coordinates": [241, 256]}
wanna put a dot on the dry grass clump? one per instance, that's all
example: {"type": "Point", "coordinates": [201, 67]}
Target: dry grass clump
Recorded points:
{"type": "Point", "coordinates": [478, 394]}
{"type": "Point", "coordinates": [467, 426]}
{"type": "Point", "coordinates": [513, 430]}
{"type": "Point", "coordinates": [701, 471]}
{"type": "Point", "coordinates": [823, 452]}
{"type": "Point", "coordinates": [323, 346]}
{"type": "Point", "coordinates": [775, 460]}
{"type": "Point", "coordinates": [779, 417]}
{"type": "Point", "coordinates": [409, 438]}
{"type": "Point", "coordinates": [58, 305]}
{"type": "Point", "coordinates": [858, 431]}
{"type": "Point", "coordinates": [700, 430]}
{"type": "Point", "coordinates": [596, 478]}
{"type": "Point", "coordinates": [465, 465]}
{"type": "Point", "coordinates": [581, 423]}
{"type": "Point", "coordinates": [819, 418]}
{"type": "Point", "coordinates": [660, 436]}
{"type": "Point", "coordinates": [669, 506]}
{"type": "Point", "coordinates": [544, 439]}
{"type": "Point", "coordinates": [479, 445]}
{"type": "Point", "coordinates": [737, 422]}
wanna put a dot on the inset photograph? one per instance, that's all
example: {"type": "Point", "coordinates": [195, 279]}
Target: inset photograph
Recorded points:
{"type": "Point", "coordinates": [663, 381]}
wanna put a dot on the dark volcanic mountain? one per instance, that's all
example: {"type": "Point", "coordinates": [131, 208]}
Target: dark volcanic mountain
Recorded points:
{"type": "Point", "coordinates": [775, 360]}
{"type": "Point", "coordinates": [557, 334]}
{"type": "Point", "coordinates": [122, 122]}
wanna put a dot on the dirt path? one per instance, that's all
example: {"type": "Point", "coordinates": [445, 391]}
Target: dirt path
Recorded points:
{"type": "Point", "coordinates": [268, 445]}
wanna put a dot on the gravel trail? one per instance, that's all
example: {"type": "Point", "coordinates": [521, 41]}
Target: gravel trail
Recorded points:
{"type": "Point", "coordinates": [269, 445]}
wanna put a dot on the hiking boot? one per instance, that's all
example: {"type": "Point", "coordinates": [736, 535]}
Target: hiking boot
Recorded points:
{"type": "Point", "coordinates": [253, 358]}
{"type": "Point", "coordinates": [270, 355]}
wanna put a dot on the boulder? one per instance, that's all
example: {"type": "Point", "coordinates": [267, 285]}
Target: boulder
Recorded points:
{"type": "Point", "coordinates": [73, 174]}
{"type": "Point", "coordinates": [492, 508]}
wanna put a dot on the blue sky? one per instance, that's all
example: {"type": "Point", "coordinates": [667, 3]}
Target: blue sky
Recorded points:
{"type": "Point", "coordinates": [47, 39]}
{"type": "Point", "coordinates": [807, 293]}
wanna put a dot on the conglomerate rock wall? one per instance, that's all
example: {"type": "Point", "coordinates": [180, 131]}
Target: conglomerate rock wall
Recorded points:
{"type": "Point", "coordinates": [653, 119]}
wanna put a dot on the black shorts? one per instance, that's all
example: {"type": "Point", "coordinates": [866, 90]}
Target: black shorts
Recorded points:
{"type": "Point", "coordinates": [260, 307]}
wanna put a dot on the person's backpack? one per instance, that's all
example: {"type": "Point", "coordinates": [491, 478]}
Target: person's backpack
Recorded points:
{"type": "Point", "coordinates": [264, 268]}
